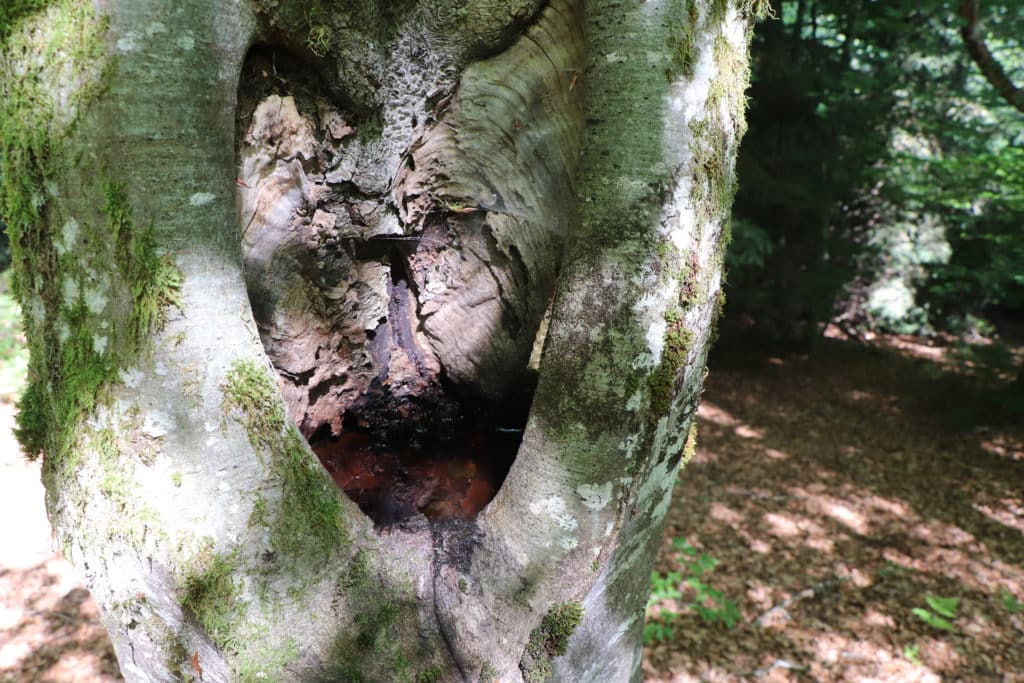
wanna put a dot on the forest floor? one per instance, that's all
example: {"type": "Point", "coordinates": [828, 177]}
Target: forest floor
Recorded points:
{"type": "Point", "coordinates": [49, 626]}
{"type": "Point", "coordinates": [865, 506]}
{"type": "Point", "coordinates": [838, 493]}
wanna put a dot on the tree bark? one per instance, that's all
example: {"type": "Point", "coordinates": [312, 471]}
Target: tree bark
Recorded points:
{"type": "Point", "coordinates": [233, 223]}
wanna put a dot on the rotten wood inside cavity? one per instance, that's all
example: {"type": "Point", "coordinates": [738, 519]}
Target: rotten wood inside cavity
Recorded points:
{"type": "Point", "coordinates": [399, 273]}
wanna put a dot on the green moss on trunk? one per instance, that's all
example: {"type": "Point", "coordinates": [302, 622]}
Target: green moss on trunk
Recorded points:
{"type": "Point", "coordinates": [211, 596]}
{"type": "Point", "coordinates": [307, 522]}
{"type": "Point", "coordinates": [550, 640]}
{"type": "Point", "coordinates": [72, 264]}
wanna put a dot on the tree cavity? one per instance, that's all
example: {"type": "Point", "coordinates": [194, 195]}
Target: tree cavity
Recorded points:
{"type": "Point", "coordinates": [399, 308]}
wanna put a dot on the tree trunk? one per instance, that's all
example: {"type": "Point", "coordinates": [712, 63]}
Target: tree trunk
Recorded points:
{"type": "Point", "coordinates": [242, 227]}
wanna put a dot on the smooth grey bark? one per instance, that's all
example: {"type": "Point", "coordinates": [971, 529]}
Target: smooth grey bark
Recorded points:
{"type": "Point", "coordinates": [596, 139]}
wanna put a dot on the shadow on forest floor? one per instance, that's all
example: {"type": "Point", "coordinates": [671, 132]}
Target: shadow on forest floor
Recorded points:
{"type": "Point", "coordinates": [838, 492]}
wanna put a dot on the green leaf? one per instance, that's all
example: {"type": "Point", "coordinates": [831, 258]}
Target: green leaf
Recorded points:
{"type": "Point", "coordinates": [655, 632]}
{"type": "Point", "coordinates": [731, 614]}
{"type": "Point", "coordinates": [911, 652]}
{"type": "Point", "coordinates": [1010, 602]}
{"type": "Point", "coordinates": [933, 620]}
{"type": "Point", "coordinates": [703, 564]}
{"type": "Point", "coordinates": [681, 545]}
{"type": "Point", "coordinates": [945, 606]}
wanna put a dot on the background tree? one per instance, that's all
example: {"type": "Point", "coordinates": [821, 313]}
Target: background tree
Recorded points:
{"type": "Point", "coordinates": [411, 178]}
{"type": "Point", "coordinates": [882, 168]}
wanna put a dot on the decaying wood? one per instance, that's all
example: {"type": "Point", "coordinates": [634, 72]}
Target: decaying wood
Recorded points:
{"type": "Point", "coordinates": [380, 284]}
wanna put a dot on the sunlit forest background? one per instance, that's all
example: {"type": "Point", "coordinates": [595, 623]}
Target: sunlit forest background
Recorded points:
{"type": "Point", "coordinates": [855, 510]}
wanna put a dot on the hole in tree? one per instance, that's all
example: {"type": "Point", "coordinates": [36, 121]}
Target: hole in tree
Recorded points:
{"type": "Point", "coordinates": [412, 405]}
{"type": "Point", "coordinates": [445, 469]}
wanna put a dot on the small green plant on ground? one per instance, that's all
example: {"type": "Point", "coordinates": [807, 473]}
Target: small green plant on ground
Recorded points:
{"type": "Point", "coordinates": [942, 610]}
{"type": "Point", "coordinates": [1010, 602]}
{"type": "Point", "coordinates": [912, 654]}
{"type": "Point", "coordinates": [710, 604]}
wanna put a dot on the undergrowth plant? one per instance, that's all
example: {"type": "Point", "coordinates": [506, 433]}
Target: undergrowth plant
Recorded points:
{"type": "Point", "coordinates": [1010, 602]}
{"type": "Point", "coordinates": [941, 611]}
{"type": "Point", "coordinates": [710, 604]}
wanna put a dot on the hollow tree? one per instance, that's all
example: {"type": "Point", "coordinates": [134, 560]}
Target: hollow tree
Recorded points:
{"type": "Point", "coordinates": [243, 227]}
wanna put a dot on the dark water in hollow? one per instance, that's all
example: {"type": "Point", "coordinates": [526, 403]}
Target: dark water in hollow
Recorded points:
{"type": "Point", "coordinates": [391, 480]}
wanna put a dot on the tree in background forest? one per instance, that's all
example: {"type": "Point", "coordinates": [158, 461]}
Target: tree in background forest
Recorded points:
{"type": "Point", "coordinates": [241, 227]}
{"type": "Point", "coordinates": [883, 168]}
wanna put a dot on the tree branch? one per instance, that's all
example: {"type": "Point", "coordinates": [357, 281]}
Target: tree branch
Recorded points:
{"type": "Point", "coordinates": [990, 67]}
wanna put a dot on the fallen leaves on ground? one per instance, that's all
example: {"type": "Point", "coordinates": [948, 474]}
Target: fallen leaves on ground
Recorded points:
{"type": "Point", "coordinates": [840, 492]}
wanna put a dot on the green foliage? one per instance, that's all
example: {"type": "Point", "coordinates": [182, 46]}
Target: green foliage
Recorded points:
{"type": "Point", "coordinates": [750, 247]}
{"type": "Point", "coordinates": [710, 604]}
{"type": "Point", "coordinates": [942, 610]}
{"type": "Point", "coordinates": [947, 607]}
{"type": "Point", "coordinates": [1010, 602]}
{"type": "Point", "coordinates": [911, 653]}
{"type": "Point", "coordinates": [879, 168]}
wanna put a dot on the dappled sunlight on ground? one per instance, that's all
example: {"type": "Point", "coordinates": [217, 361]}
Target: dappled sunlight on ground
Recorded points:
{"type": "Point", "coordinates": [838, 497]}
{"type": "Point", "coordinates": [1003, 446]}
{"type": "Point", "coordinates": [49, 626]}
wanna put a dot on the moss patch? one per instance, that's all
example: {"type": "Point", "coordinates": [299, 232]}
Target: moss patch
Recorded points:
{"type": "Point", "coordinates": [310, 521]}
{"type": "Point", "coordinates": [211, 593]}
{"type": "Point", "coordinates": [528, 583]}
{"type": "Point", "coordinates": [662, 381]}
{"type": "Point", "coordinates": [252, 398]}
{"type": "Point", "coordinates": [91, 283]}
{"type": "Point", "coordinates": [550, 640]}
{"type": "Point", "coordinates": [429, 675]}
{"type": "Point", "coordinates": [13, 10]}
{"type": "Point", "coordinates": [683, 44]}
{"type": "Point", "coordinates": [307, 523]}
{"type": "Point", "coordinates": [154, 279]}
{"type": "Point", "coordinates": [211, 596]}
